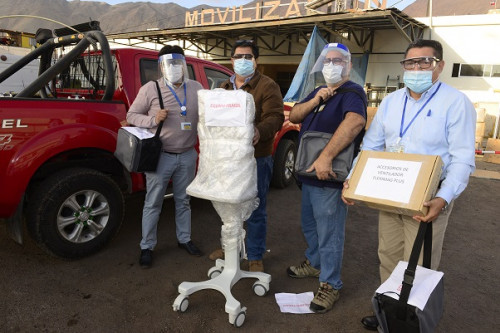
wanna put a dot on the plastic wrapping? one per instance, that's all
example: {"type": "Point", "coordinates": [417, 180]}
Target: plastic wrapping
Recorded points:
{"type": "Point", "coordinates": [227, 170]}
{"type": "Point", "coordinates": [233, 216]}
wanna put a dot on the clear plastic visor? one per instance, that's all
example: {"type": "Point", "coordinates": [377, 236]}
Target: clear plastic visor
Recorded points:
{"type": "Point", "coordinates": [340, 53]}
{"type": "Point", "coordinates": [167, 62]}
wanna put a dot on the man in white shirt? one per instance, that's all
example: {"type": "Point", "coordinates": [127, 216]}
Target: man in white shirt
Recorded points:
{"type": "Point", "coordinates": [431, 118]}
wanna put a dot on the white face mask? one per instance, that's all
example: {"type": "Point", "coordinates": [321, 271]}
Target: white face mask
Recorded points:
{"type": "Point", "coordinates": [173, 73]}
{"type": "Point", "coordinates": [332, 73]}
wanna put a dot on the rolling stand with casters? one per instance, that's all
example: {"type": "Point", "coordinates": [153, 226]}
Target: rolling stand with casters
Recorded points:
{"type": "Point", "coordinates": [227, 175]}
{"type": "Point", "coordinates": [227, 272]}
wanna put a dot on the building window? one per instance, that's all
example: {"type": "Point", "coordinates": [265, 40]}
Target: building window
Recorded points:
{"type": "Point", "coordinates": [476, 70]}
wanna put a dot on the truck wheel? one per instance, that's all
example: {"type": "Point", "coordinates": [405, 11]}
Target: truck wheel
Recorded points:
{"type": "Point", "coordinates": [284, 162]}
{"type": "Point", "coordinates": [75, 212]}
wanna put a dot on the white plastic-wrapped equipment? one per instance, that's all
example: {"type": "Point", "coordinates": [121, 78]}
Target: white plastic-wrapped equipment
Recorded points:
{"type": "Point", "coordinates": [227, 175]}
{"type": "Point", "coordinates": [227, 170]}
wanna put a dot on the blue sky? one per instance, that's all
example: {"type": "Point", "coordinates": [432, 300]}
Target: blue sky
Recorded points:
{"type": "Point", "coordinates": [228, 3]}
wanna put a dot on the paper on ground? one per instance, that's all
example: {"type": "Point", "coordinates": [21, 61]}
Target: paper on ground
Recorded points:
{"type": "Point", "coordinates": [425, 282]}
{"type": "Point", "coordinates": [294, 303]}
{"type": "Point", "coordinates": [141, 133]}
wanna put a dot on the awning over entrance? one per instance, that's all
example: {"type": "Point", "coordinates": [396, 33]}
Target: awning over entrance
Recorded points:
{"type": "Point", "coordinates": [280, 37]}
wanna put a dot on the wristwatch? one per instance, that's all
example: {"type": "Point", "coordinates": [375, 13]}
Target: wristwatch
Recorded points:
{"type": "Point", "coordinates": [445, 208]}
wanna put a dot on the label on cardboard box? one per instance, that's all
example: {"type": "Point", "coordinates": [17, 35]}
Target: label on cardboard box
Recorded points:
{"type": "Point", "coordinates": [395, 182]}
{"type": "Point", "coordinates": [388, 179]}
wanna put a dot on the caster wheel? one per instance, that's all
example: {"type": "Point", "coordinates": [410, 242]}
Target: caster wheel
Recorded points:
{"type": "Point", "coordinates": [240, 319]}
{"type": "Point", "coordinates": [214, 272]}
{"type": "Point", "coordinates": [259, 289]}
{"type": "Point", "coordinates": [181, 303]}
{"type": "Point", "coordinates": [184, 305]}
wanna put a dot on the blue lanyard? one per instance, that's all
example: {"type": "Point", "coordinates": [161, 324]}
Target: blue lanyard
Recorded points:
{"type": "Point", "coordinates": [403, 132]}
{"type": "Point", "coordinates": [182, 105]}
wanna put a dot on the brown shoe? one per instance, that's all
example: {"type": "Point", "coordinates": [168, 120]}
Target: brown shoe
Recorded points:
{"type": "Point", "coordinates": [324, 299]}
{"type": "Point", "coordinates": [255, 266]}
{"type": "Point", "coordinates": [217, 254]}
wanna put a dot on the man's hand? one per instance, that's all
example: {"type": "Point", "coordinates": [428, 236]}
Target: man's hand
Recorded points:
{"type": "Point", "coordinates": [256, 136]}
{"type": "Point", "coordinates": [436, 205]}
{"type": "Point", "coordinates": [344, 188]}
{"type": "Point", "coordinates": [161, 115]}
{"type": "Point", "coordinates": [324, 94]}
{"type": "Point", "coordinates": [323, 167]}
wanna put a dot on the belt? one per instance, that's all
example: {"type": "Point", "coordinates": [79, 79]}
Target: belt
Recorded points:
{"type": "Point", "coordinates": [167, 152]}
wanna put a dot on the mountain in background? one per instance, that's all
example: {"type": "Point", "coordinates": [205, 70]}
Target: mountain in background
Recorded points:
{"type": "Point", "coordinates": [126, 17]}
{"type": "Point", "coordinates": [140, 16]}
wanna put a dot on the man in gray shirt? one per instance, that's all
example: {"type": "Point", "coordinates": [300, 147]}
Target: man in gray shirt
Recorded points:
{"type": "Point", "coordinates": [178, 158]}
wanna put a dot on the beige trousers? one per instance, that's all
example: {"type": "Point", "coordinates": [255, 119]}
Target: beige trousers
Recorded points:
{"type": "Point", "coordinates": [396, 234]}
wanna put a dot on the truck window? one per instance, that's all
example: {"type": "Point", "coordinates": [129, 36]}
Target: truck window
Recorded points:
{"type": "Point", "coordinates": [86, 74]}
{"type": "Point", "coordinates": [215, 77]}
{"type": "Point", "coordinates": [149, 70]}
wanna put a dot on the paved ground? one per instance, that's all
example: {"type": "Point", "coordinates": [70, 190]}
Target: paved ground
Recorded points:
{"type": "Point", "coordinates": [109, 292]}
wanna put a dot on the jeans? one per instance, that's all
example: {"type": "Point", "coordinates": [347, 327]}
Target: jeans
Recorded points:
{"type": "Point", "coordinates": [181, 169]}
{"type": "Point", "coordinates": [323, 223]}
{"type": "Point", "coordinates": [257, 223]}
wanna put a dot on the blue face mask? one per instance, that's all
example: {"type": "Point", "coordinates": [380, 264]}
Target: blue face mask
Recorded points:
{"type": "Point", "coordinates": [243, 67]}
{"type": "Point", "coordinates": [418, 81]}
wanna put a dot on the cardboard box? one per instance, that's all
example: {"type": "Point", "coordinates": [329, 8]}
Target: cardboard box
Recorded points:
{"type": "Point", "coordinates": [370, 113]}
{"type": "Point", "coordinates": [480, 129]}
{"type": "Point", "coordinates": [492, 145]}
{"type": "Point", "coordinates": [481, 115]}
{"type": "Point", "coordinates": [395, 182]}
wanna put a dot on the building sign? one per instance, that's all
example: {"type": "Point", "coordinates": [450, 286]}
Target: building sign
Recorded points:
{"type": "Point", "coordinates": [265, 10]}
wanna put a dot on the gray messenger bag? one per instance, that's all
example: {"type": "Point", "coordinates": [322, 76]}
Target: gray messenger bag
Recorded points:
{"type": "Point", "coordinates": [312, 144]}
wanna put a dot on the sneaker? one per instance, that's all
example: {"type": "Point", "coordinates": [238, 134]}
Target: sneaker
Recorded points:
{"type": "Point", "coordinates": [255, 266]}
{"type": "Point", "coordinates": [217, 254]}
{"type": "Point", "coordinates": [324, 298]}
{"type": "Point", "coordinates": [146, 259]}
{"type": "Point", "coordinates": [304, 270]}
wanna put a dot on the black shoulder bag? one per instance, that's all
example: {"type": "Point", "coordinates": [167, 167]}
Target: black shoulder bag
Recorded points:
{"type": "Point", "coordinates": [140, 155]}
{"type": "Point", "coordinates": [399, 316]}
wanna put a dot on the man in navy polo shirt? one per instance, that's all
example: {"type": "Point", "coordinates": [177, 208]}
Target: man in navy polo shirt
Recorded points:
{"type": "Point", "coordinates": [323, 213]}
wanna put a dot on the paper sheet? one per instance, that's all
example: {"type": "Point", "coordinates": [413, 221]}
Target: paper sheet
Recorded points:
{"type": "Point", "coordinates": [425, 282]}
{"type": "Point", "coordinates": [388, 179]}
{"type": "Point", "coordinates": [294, 303]}
{"type": "Point", "coordinates": [141, 133]}
{"type": "Point", "coordinates": [225, 110]}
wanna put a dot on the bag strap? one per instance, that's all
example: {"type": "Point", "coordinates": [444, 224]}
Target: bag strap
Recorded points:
{"type": "Point", "coordinates": [160, 99]}
{"type": "Point", "coordinates": [424, 236]}
{"type": "Point", "coordinates": [338, 91]}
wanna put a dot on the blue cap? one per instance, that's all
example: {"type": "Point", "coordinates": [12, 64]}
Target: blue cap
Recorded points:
{"type": "Point", "coordinates": [341, 47]}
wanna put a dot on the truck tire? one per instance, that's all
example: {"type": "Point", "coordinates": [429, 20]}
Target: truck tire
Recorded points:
{"type": "Point", "coordinates": [75, 212]}
{"type": "Point", "coordinates": [284, 162]}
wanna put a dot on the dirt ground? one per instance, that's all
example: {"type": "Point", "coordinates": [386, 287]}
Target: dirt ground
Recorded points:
{"type": "Point", "coordinates": [109, 292]}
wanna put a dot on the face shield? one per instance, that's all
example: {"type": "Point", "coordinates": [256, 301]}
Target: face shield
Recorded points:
{"type": "Point", "coordinates": [173, 68]}
{"type": "Point", "coordinates": [333, 55]}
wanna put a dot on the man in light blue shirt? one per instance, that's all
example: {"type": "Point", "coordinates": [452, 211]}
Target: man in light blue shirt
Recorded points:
{"type": "Point", "coordinates": [431, 118]}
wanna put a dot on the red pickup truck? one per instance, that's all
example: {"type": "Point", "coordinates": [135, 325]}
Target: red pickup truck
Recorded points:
{"type": "Point", "coordinates": [58, 174]}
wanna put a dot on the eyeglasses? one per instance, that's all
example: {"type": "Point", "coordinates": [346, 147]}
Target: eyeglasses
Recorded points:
{"type": "Point", "coordinates": [175, 62]}
{"type": "Point", "coordinates": [335, 61]}
{"type": "Point", "coordinates": [422, 62]}
{"type": "Point", "coordinates": [240, 56]}
{"type": "Point", "coordinates": [243, 41]}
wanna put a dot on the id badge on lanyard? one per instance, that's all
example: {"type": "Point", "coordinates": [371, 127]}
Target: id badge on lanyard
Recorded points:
{"type": "Point", "coordinates": [396, 147]}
